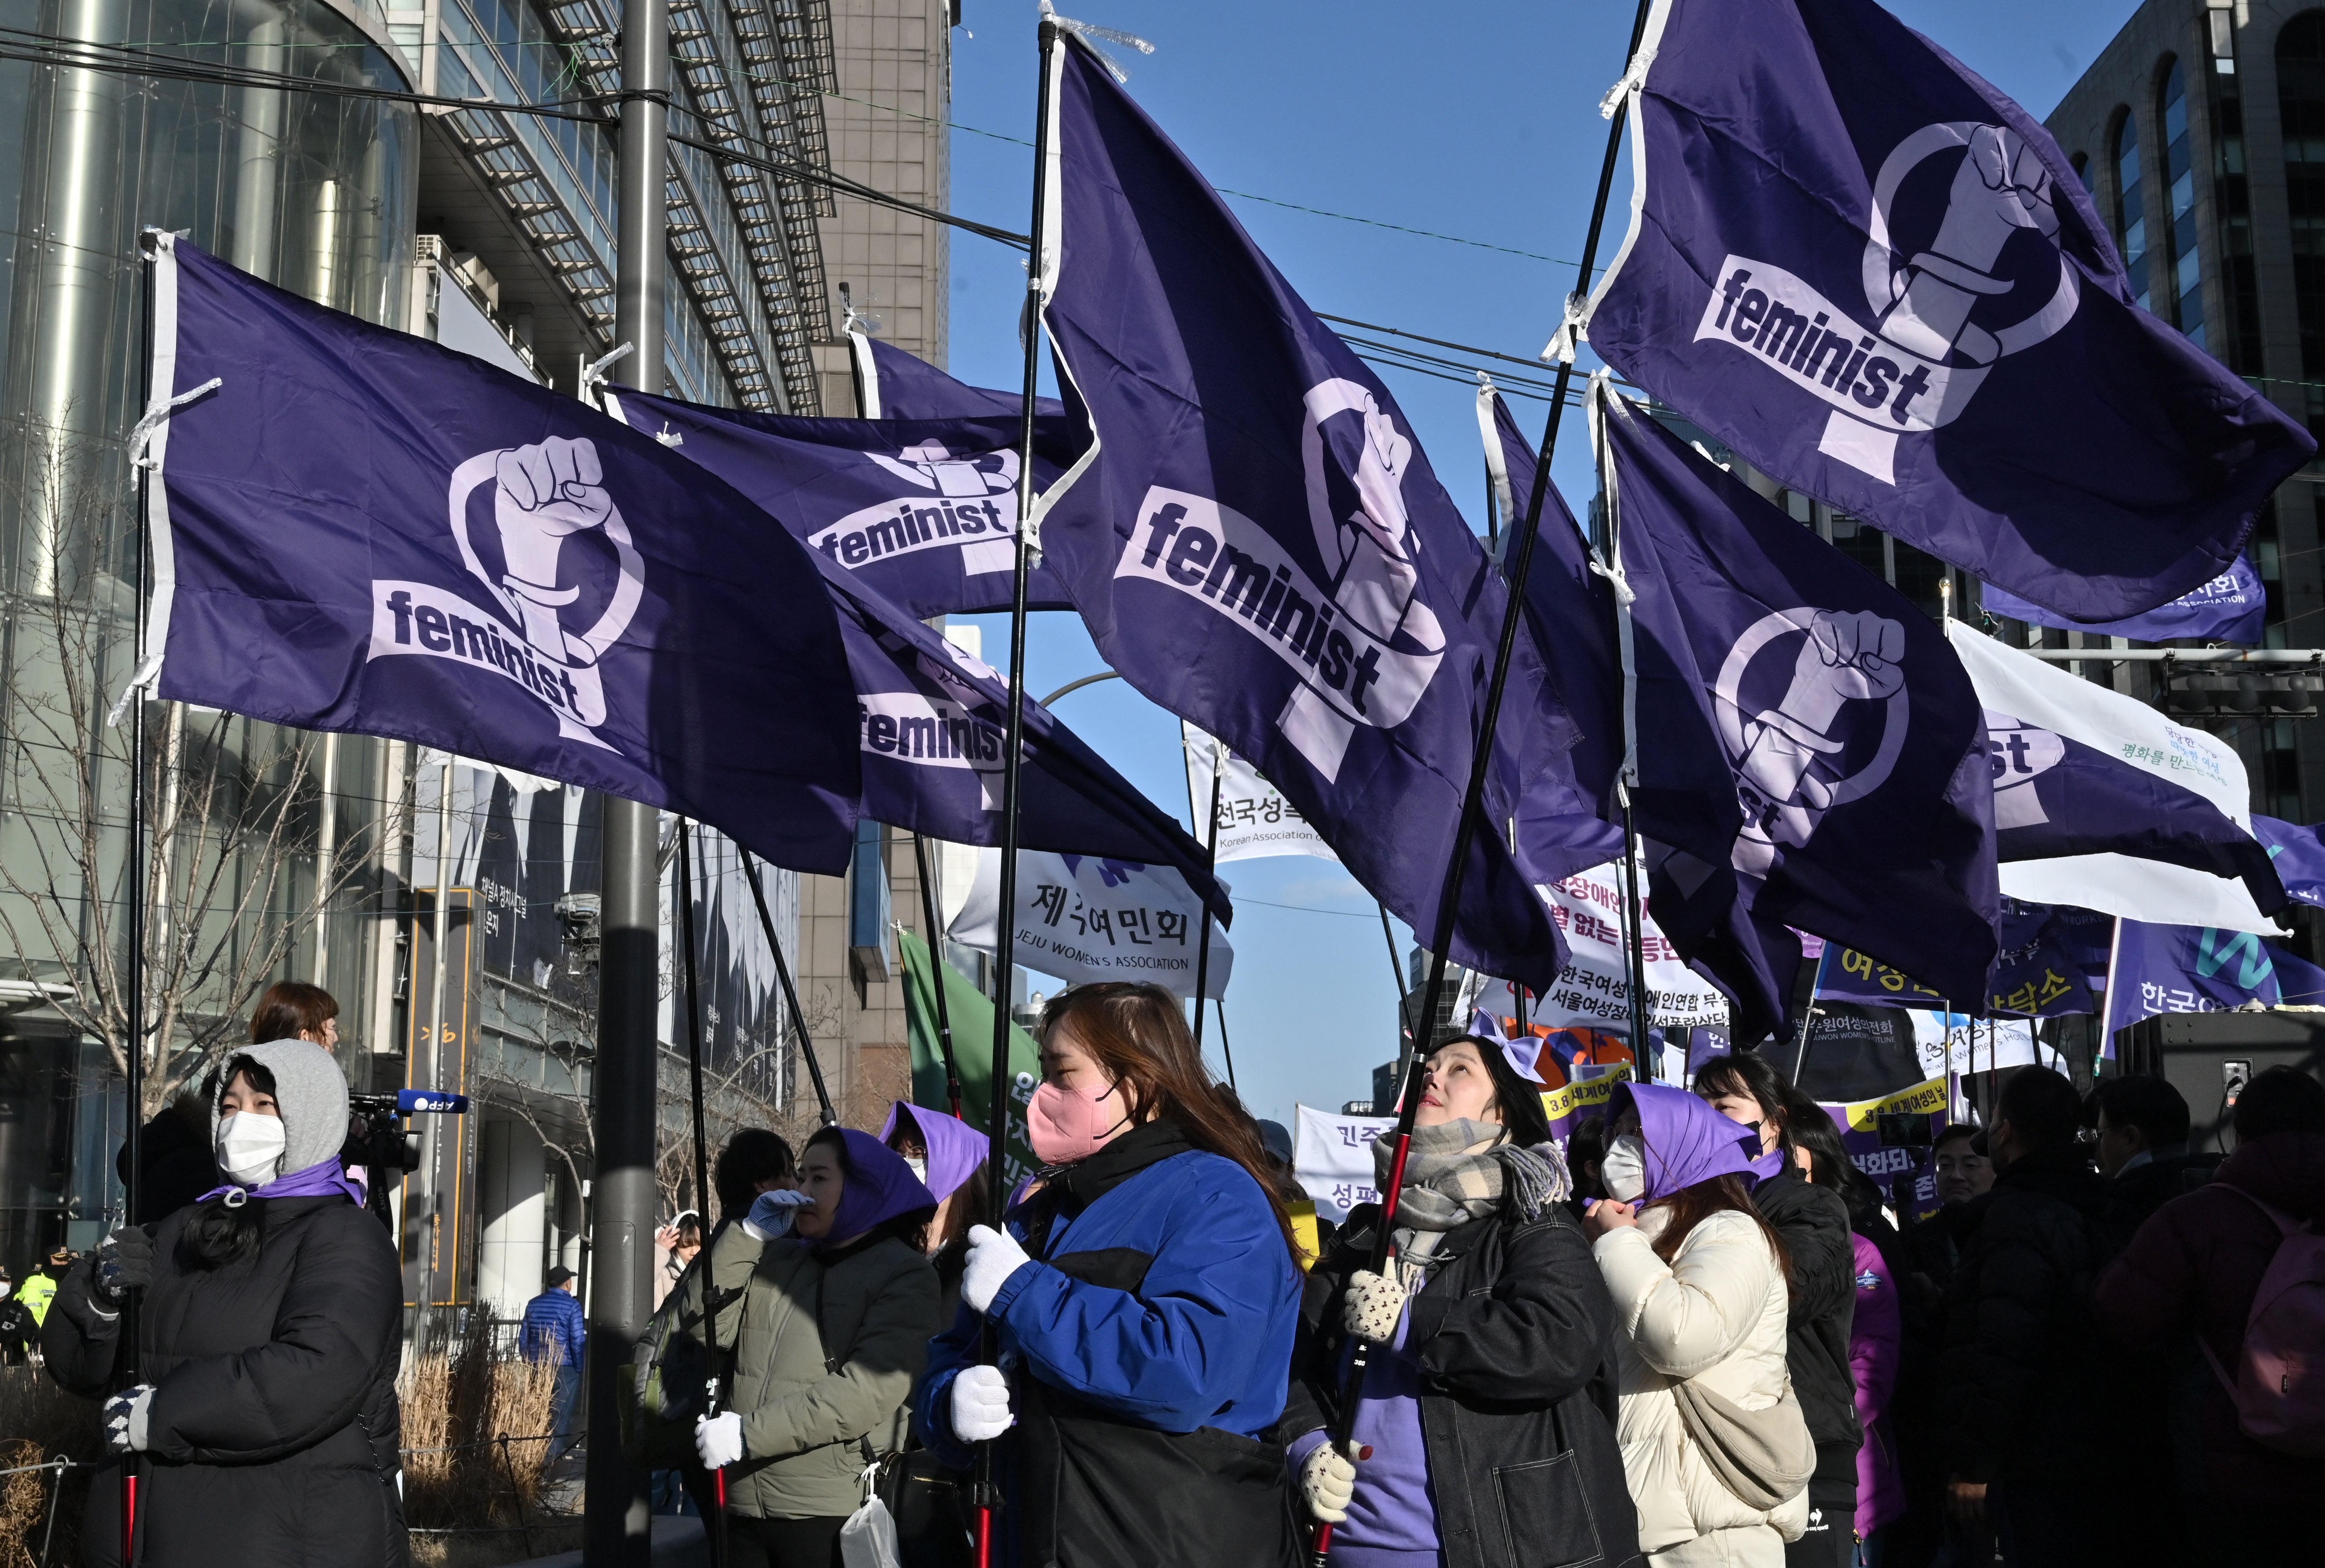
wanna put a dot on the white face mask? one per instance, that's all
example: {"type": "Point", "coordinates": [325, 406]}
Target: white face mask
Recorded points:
{"type": "Point", "coordinates": [1624, 1170]}
{"type": "Point", "coordinates": [920, 1169]}
{"type": "Point", "coordinates": [250, 1147]}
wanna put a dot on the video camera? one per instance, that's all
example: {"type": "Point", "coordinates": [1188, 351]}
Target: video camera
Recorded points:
{"type": "Point", "coordinates": [378, 1140]}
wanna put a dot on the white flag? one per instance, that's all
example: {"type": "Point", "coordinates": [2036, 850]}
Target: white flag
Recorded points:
{"type": "Point", "coordinates": [1083, 918]}
{"type": "Point", "coordinates": [1332, 1158]}
{"type": "Point", "coordinates": [1254, 818]}
{"type": "Point", "coordinates": [2045, 697]}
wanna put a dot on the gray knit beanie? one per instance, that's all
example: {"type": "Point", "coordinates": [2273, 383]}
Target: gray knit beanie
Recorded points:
{"type": "Point", "coordinates": [310, 1093]}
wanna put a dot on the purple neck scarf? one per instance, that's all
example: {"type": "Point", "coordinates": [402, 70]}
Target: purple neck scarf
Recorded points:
{"type": "Point", "coordinates": [1688, 1142]}
{"type": "Point", "coordinates": [317, 1180]}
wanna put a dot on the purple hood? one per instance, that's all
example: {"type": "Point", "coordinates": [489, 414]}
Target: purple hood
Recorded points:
{"type": "Point", "coordinates": [956, 1149]}
{"type": "Point", "coordinates": [880, 1187]}
{"type": "Point", "coordinates": [1688, 1141]}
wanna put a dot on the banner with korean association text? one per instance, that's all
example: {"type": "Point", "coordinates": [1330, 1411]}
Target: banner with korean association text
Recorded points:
{"type": "Point", "coordinates": [1088, 917]}
{"type": "Point", "coordinates": [1860, 1132]}
{"type": "Point", "coordinates": [1594, 989]}
{"type": "Point", "coordinates": [1583, 1098]}
{"type": "Point", "coordinates": [1332, 1158]}
{"type": "Point", "coordinates": [1254, 818]}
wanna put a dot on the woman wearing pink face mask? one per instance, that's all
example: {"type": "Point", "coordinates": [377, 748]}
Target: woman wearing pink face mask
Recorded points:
{"type": "Point", "coordinates": [1145, 1300]}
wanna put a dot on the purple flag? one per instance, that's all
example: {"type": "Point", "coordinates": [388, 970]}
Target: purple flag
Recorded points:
{"type": "Point", "coordinates": [2230, 608]}
{"type": "Point", "coordinates": [1259, 545]}
{"type": "Point", "coordinates": [1809, 749]}
{"type": "Point", "coordinates": [2034, 975]}
{"type": "Point", "coordinates": [930, 726]}
{"type": "Point", "coordinates": [2298, 854]}
{"type": "Point", "coordinates": [2184, 968]}
{"type": "Point", "coordinates": [923, 510]}
{"type": "Point", "coordinates": [357, 530]}
{"type": "Point", "coordinates": [1880, 282]}
{"type": "Point", "coordinates": [893, 385]}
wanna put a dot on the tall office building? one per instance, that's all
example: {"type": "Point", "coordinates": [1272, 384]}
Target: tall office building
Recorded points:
{"type": "Point", "coordinates": [256, 129]}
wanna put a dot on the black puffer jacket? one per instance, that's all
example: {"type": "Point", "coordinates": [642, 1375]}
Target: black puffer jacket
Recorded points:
{"type": "Point", "coordinates": [1814, 1224]}
{"type": "Point", "coordinates": [273, 1431]}
{"type": "Point", "coordinates": [1514, 1335]}
{"type": "Point", "coordinates": [2022, 1388]}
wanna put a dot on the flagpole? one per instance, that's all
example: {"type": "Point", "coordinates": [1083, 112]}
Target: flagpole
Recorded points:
{"type": "Point", "coordinates": [1403, 1002]}
{"type": "Point", "coordinates": [1211, 865]}
{"type": "Point", "coordinates": [982, 1497]}
{"type": "Point", "coordinates": [134, 1059]}
{"type": "Point", "coordinates": [1633, 931]}
{"type": "Point", "coordinates": [936, 972]}
{"type": "Point", "coordinates": [1481, 763]}
{"type": "Point", "coordinates": [784, 974]}
{"type": "Point", "coordinates": [717, 1527]}
{"type": "Point", "coordinates": [1800, 1047]}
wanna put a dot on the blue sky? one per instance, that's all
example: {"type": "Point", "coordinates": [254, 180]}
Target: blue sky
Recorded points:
{"type": "Point", "coordinates": [1477, 122]}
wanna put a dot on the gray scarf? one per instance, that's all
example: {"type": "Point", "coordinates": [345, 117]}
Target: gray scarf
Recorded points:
{"type": "Point", "coordinates": [1461, 1171]}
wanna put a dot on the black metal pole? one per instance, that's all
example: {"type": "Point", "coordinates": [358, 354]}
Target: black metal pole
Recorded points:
{"type": "Point", "coordinates": [714, 1528]}
{"type": "Point", "coordinates": [1473, 799]}
{"type": "Point", "coordinates": [784, 973]}
{"type": "Point", "coordinates": [982, 1498]}
{"type": "Point", "coordinates": [1633, 934]}
{"type": "Point", "coordinates": [937, 967]}
{"type": "Point", "coordinates": [1210, 864]}
{"type": "Point", "coordinates": [140, 884]}
{"type": "Point", "coordinates": [1406, 1023]}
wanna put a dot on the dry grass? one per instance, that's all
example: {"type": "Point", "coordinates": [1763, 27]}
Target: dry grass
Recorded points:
{"type": "Point", "coordinates": [456, 1473]}
{"type": "Point", "coordinates": [39, 1422]}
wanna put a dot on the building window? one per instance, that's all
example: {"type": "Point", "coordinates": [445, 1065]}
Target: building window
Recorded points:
{"type": "Point", "coordinates": [2180, 171]}
{"type": "Point", "coordinates": [2130, 209]}
{"type": "Point", "coordinates": [2300, 106]}
{"type": "Point", "coordinates": [2237, 343]}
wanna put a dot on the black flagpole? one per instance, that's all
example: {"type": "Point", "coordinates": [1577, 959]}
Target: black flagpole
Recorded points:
{"type": "Point", "coordinates": [1634, 930]}
{"type": "Point", "coordinates": [784, 973]}
{"type": "Point", "coordinates": [1404, 1001]}
{"type": "Point", "coordinates": [997, 1084]}
{"type": "Point", "coordinates": [936, 971]}
{"type": "Point", "coordinates": [1472, 811]}
{"type": "Point", "coordinates": [717, 1527]}
{"type": "Point", "coordinates": [1210, 864]}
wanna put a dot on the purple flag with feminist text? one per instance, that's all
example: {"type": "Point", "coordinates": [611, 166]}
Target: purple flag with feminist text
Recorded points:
{"type": "Point", "coordinates": [1881, 282]}
{"type": "Point", "coordinates": [1257, 543]}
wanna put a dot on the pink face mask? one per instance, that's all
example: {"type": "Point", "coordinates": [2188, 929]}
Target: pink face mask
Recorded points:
{"type": "Point", "coordinates": [1067, 1125]}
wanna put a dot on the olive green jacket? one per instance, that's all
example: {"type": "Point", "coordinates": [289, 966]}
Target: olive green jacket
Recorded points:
{"type": "Point", "coordinates": [827, 1356]}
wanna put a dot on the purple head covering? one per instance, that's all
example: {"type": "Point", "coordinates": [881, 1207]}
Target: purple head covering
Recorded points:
{"type": "Point", "coordinates": [1688, 1142]}
{"type": "Point", "coordinates": [879, 1188]}
{"type": "Point", "coordinates": [955, 1149]}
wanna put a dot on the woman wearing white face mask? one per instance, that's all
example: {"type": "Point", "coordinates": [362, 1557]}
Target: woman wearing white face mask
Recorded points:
{"type": "Point", "coordinates": [1487, 1415]}
{"type": "Point", "coordinates": [1145, 1300]}
{"type": "Point", "coordinates": [265, 1421]}
{"type": "Point", "coordinates": [1718, 1452]}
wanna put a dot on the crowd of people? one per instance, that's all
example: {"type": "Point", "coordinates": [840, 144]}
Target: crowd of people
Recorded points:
{"type": "Point", "coordinates": [1693, 1334]}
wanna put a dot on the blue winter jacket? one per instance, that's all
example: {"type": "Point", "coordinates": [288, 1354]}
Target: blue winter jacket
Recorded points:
{"type": "Point", "coordinates": [1148, 1347]}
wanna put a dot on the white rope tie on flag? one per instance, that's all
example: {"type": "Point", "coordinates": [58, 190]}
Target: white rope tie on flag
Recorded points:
{"type": "Point", "coordinates": [1633, 81]}
{"type": "Point", "coordinates": [1624, 594]}
{"type": "Point", "coordinates": [141, 680]}
{"type": "Point", "coordinates": [141, 434]}
{"type": "Point", "coordinates": [1570, 330]}
{"type": "Point", "coordinates": [1093, 35]}
{"type": "Point", "coordinates": [594, 373]}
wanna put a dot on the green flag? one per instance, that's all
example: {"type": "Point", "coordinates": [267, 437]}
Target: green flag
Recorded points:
{"type": "Point", "coordinates": [972, 1045]}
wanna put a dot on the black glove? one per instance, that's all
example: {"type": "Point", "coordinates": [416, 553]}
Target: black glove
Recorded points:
{"type": "Point", "coordinates": [124, 1262]}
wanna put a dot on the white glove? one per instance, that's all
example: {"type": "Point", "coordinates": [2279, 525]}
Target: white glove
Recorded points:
{"type": "Point", "coordinates": [1328, 1479]}
{"type": "Point", "coordinates": [719, 1440]}
{"type": "Point", "coordinates": [1372, 1307]}
{"type": "Point", "coordinates": [981, 1403]}
{"type": "Point", "coordinates": [993, 1256]}
{"type": "Point", "coordinates": [124, 1419]}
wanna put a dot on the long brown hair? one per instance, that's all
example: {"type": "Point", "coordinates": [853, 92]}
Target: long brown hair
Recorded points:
{"type": "Point", "coordinates": [1138, 1034]}
{"type": "Point", "coordinates": [1691, 1206]}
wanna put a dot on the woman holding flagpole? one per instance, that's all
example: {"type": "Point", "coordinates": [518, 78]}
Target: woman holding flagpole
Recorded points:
{"type": "Point", "coordinates": [1488, 1409]}
{"type": "Point", "coordinates": [1145, 1299]}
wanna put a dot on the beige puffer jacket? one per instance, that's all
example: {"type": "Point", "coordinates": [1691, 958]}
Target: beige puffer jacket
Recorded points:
{"type": "Point", "coordinates": [1716, 1314]}
{"type": "Point", "coordinates": [801, 1419]}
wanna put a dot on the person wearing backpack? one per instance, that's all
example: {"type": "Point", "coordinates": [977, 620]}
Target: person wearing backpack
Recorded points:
{"type": "Point", "coordinates": [2197, 1269]}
